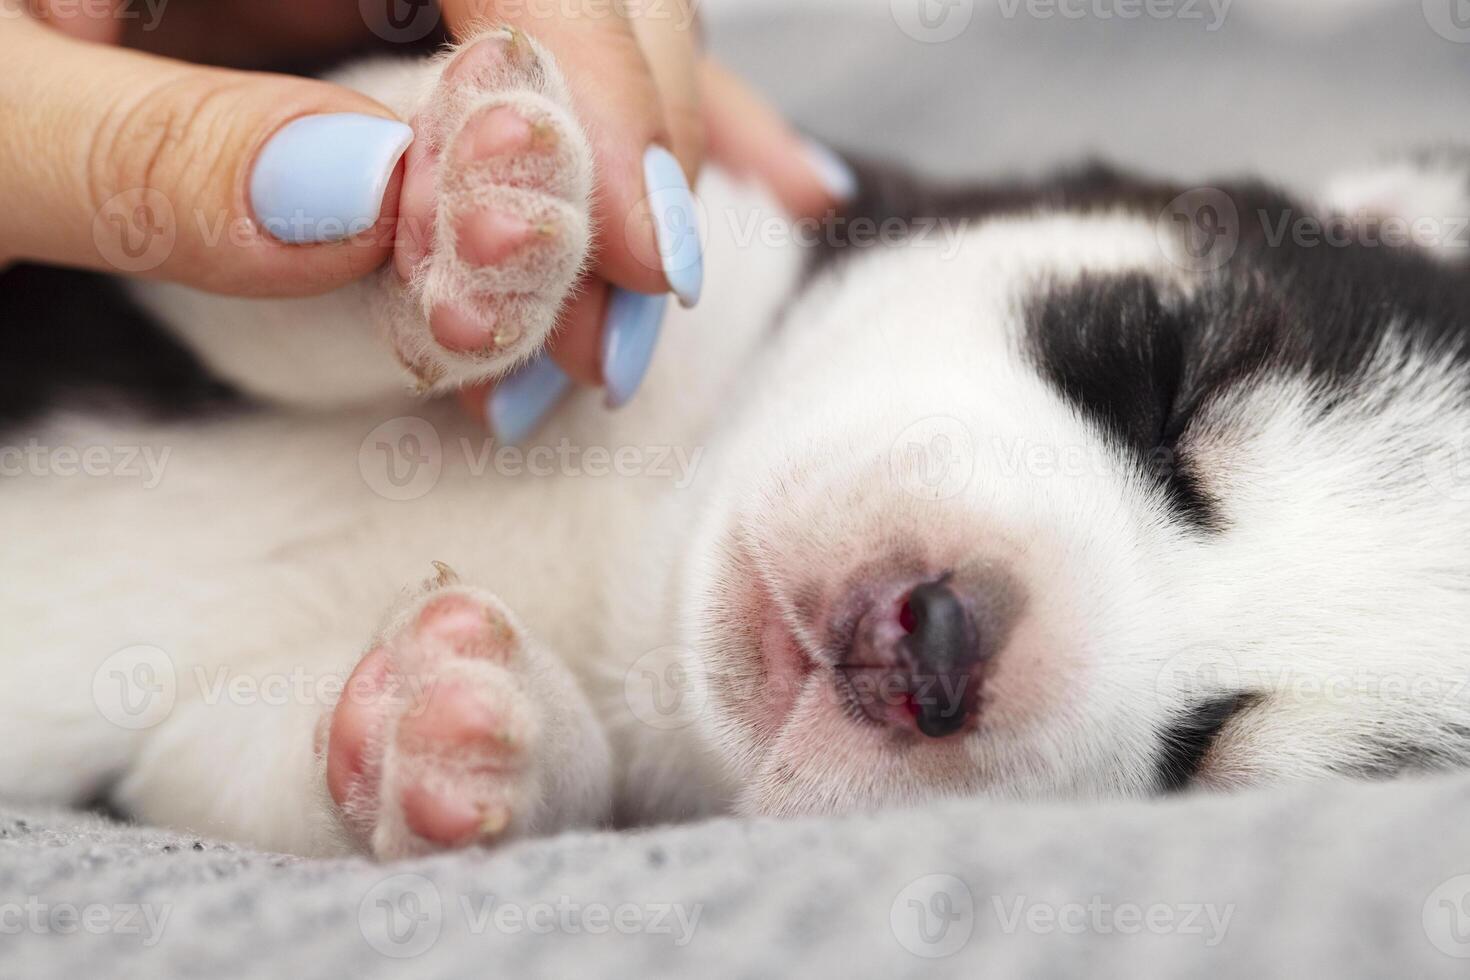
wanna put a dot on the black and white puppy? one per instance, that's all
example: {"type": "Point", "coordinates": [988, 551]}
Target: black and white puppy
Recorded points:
{"type": "Point", "coordinates": [1090, 488]}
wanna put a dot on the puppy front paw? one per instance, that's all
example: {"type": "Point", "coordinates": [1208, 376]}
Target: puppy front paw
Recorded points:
{"type": "Point", "coordinates": [494, 223]}
{"type": "Point", "coordinates": [434, 742]}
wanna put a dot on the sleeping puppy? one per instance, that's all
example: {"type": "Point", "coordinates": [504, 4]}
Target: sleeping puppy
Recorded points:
{"type": "Point", "coordinates": [1092, 488]}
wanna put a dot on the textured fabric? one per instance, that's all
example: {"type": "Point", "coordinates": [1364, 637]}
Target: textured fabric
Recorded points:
{"type": "Point", "coordinates": [1342, 881]}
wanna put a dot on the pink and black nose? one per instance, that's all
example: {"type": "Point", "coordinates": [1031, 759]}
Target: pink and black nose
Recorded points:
{"type": "Point", "coordinates": [918, 658]}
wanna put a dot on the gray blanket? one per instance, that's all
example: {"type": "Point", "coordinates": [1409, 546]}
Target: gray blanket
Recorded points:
{"type": "Point", "coordinates": [1331, 881]}
{"type": "Point", "coordinates": [1340, 881]}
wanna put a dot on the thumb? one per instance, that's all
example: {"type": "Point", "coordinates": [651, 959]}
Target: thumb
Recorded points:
{"type": "Point", "coordinates": [229, 181]}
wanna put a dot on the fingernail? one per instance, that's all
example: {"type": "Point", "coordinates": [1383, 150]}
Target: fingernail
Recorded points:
{"type": "Point", "coordinates": [523, 399]}
{"type": "Point", "coordinates": [322, 178]}
{"type": "Point", "coordinates": [629, 336]}
{"type": "Point", "coordinates": [676, 224]}
{"type": "Point", "coordinates": [836, 175]}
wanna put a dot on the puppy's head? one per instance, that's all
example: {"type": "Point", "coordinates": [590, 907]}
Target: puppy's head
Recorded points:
{"type": "Point", "coordinates": [1040, 505]}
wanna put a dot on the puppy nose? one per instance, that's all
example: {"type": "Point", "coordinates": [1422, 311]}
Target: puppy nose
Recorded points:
{"type": "Point", "coordinates": [944, 648]}
{"type": "Point", "coordinates": [944, 645]}
{"type": "Point", "coordinates": [918, 651]}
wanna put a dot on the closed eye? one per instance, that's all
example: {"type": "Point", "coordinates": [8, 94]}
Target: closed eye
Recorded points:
{"type": "Point", "coordinates": [1186, 741]}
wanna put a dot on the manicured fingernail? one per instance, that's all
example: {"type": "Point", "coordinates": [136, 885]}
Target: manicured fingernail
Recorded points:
{"type": "Point", "coordinates": [676, 224]}
{"type": "Point", "coordinates": [322, 178]}
{"type": "Point", "coordinates": [629, 336]}
{"type": "Point", "coordinates": [523, 399]}
{"type": "Point", "coordinates": [836, 175]}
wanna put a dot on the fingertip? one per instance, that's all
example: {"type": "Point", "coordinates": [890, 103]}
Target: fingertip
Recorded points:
{"type": "Point", "coordinates": [751, 139]}
{"type": "Point", "coordinates": [833, 174]}
{"type": "Point", "coordinates": [577, 345]}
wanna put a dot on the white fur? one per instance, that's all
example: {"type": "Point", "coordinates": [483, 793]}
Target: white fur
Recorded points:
{"type": "Point", "coordinates": [269, 547]}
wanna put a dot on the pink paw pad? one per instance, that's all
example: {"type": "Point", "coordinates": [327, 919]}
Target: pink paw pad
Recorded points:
{"type": "Point", "coordinates": [466, 627]}
{"type": "Point", "coordinates": [429, 745]}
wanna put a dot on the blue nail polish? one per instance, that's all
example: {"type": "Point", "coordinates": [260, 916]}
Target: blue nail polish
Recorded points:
{"type": "Point", "coordinates": [629, 336]}
{"type": "Point", "coordinates": [523, 399]}
{"type": "Point", "coordinates": [836, 175]}
{"type": "Point", "coordinates": [676, 224]}
{"type": "Point", "coordinates": [322, 178]}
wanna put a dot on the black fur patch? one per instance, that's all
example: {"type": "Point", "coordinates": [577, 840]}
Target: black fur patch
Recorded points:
{"type": "Point", "coordinates": [1183, 744]}
{"type": "Point", "coordinates": [1142, 365]}
{"type": "Point", "coordinates": [74, 338]}
{"type": "Point", "coordinates": [1118, 354]}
